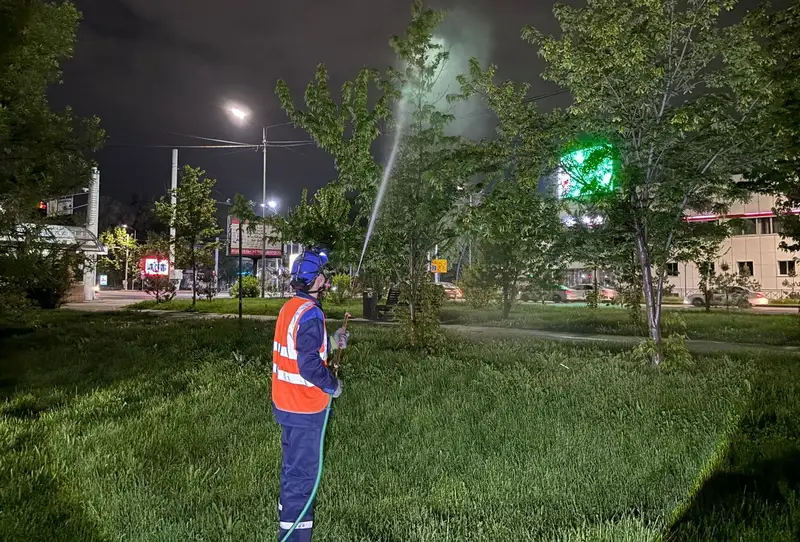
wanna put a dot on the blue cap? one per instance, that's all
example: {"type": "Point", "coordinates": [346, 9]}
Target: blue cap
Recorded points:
{"type": "Point", "coordinates": [307, 267]}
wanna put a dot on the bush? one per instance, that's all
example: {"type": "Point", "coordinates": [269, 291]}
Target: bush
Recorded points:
{"type": "Point", "coordinates": [160, 288]}
{"type": "Point", "coordinates": [341, 289]}
{"type": "Point", "coordinates": [422, 329]}
{"type": "Point", "coordinates": [250, 287]}
{"type": "Point", "coordinates": [40, 273]}
{"type": "Point", "coordinates": [477, 293]}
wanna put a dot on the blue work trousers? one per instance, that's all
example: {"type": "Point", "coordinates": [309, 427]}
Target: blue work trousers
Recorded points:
{"type": "Point", "coordinates": [299, 472]}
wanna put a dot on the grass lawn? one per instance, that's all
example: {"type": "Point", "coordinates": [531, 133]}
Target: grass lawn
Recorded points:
{"type": "Point", "coordinates": [137, 428]}
{"type": "Point", "coordinates": [718, 325]}
{"type": "Point", "coordinates": [268, 306]}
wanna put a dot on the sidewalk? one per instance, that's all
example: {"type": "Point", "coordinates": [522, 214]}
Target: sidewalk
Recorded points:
{"type": "Point", "coordinates": [696, 346]}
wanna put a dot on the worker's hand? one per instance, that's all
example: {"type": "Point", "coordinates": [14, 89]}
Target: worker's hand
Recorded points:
{"type": "Point", "coordinates": [338, 390]}
{"type": "Point", "coordinates": [340, 338]}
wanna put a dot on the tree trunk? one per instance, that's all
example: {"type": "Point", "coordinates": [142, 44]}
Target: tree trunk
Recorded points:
{"type": "Point", "coordinates": [651, 297]}
{"type": "Point", "coordinates": [506, 300]}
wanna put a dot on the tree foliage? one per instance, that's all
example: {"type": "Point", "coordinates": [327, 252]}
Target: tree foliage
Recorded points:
{"type": "Point", "coordinates": [326, 221]}
{"type": "Point", "coordinates": [194, 218]}
{"type": "Point", "coordinates": [122, 248]}
{"type": "Point", "coordinates": [678, 98]}
{"type": "Point", "coordinates": [346, 130]}
{"type": "Point", "coordinates": [519, 237]}
{"type": "Point", "coordinates": [44, 152]}
{"type": "Point", "coordinates": [780, 175]}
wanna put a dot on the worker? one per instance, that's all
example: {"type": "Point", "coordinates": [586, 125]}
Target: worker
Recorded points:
{"type": "Point", "coordinates": [301, 388]}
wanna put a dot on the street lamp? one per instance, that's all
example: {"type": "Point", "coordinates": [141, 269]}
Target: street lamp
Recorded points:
{"type": "Point", "coordinates": [125, 226]}
{"type": "Point", "coordinates": [241, 115]}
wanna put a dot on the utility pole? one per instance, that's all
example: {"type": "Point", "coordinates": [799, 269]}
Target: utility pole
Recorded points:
{"type": "Point", "coordinates": [125, 283]}
{"type": "Point", "coordinates": [263, 215]}
{"type": "Point", "coordinates": [216, 266]}
{"type": "Point", "coordinates": [173, 200]}
{"type": "Point", "coordinates": [436, 256]}
{"type": "Point", "coordinates": [89, 271]}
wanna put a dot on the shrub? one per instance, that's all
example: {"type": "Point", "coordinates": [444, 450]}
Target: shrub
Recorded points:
{"type": "Point", "coordinates": [422, 328]}
{"type": "Point", "coordinates": [477, 293]}
{"type": "Point", "coordinates": [250, 287]}
{"type": "Point", "coordinates": [160, 288]}
{"type": "Point", "coordinates": [341, 289]}
{"type": "Point", "coordinates": [42, 274]}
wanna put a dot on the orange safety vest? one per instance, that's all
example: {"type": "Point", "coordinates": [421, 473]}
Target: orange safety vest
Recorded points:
{"type": "Point", "coordinates": [290, 391]}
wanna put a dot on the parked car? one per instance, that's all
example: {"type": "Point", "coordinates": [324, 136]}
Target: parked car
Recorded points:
{"type": "Point", "coordinates": [737, 296]}
{"type": "Point", "coordinates": [565, 294]}
{"type": "Point", "coordinates": [451, 291]}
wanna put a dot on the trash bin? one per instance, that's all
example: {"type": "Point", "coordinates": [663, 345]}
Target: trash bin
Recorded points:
{"type": "Point", "coordinates": [370, 305]}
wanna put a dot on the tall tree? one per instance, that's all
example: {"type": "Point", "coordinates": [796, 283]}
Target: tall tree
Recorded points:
{"type": "Point", "coordinates": [123, 253]}
{"type": "Point", "coordinates": [45, 153]}
{"type": "Point", "coordinates": [519, 236]}
{"type": "Point", "coordinates": [242, 209]}
{"type": "Point", "coordinates": [428, 171]}
{"type": "Point", "coordinates": [677, 97]}
{"type": "Point", "coordinates": [193, 216]}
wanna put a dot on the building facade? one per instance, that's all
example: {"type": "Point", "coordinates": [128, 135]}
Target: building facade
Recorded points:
{"type": "Point", "coordinates": [752, 249]}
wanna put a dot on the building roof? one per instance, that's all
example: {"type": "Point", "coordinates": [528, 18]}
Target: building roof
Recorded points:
{"type": "Point", "coordinates": [62, 235]}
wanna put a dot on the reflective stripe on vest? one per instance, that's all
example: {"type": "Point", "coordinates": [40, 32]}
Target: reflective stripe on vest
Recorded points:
{"type": "Point", "coordinates": [290, 391]}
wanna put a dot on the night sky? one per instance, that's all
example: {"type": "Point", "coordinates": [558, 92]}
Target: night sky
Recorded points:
{"type": "Point", "coordinates": [153, 70]}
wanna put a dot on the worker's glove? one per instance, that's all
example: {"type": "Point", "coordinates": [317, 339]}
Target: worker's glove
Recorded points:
{"type": "Point", "coordinates": [338, 391]}
{"type": "Point", "coordinates": [339, 339]}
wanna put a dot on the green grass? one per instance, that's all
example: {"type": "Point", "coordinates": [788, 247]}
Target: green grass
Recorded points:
{"type": "Point", "coordinates": [257, 306]}
{"type": "Point", "coordinates": [718, 325]}
{"type": "Point", "coordinates": [140, 428]}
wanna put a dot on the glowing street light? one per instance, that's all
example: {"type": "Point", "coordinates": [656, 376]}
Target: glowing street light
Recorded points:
{"type": "Point", "coordinates": [238, 113]}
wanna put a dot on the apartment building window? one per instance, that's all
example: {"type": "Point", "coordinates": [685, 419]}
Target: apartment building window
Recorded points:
{"type": "Point", "coordinates": [743, 226]}
{"type": "Point", "coordinates": [777, 226]}
{"type": "Point", "coordinates": [672, 269]}
{"type": "Point", "coordinates": [745, 268]}
{"type": "Point", "coordinates": [786, 268]}
{"type": "Point", "coordinates": [765, 226]}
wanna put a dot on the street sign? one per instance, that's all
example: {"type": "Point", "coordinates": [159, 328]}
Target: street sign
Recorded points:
{"type": "Point", "coordinates": [61, 206]}
{"type": "Point", "coordinates": [438, 266]}
{"type": "Point", "coordinates": [251, 240]}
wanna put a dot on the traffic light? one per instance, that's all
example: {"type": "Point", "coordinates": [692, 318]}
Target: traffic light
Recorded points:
{"type": "Point", "coordinates": [42, 208]}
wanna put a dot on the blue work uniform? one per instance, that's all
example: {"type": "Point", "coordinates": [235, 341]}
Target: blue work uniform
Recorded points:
{"type": "Point", "coordinates": [302, 433]}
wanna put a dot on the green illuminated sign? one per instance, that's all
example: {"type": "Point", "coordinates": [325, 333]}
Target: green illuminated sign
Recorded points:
{"type": "Point", "coordinates": [586, 172]}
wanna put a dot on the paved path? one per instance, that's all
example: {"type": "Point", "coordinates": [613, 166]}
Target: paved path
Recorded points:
{"type": "Point", "coordinates": [695, 346]}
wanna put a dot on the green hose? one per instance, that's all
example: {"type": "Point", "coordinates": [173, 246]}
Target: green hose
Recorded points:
{"type": "Point", "coordinates": [319, 474]}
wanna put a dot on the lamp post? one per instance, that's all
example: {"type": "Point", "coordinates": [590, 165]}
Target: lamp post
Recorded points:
{"type": "Point", "coordinates": [241, 115]}
{"type": "Point", "coordinates": [127, 250]}
{"type": "Point", "coordinates": [273, 206]}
